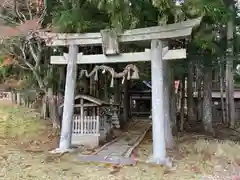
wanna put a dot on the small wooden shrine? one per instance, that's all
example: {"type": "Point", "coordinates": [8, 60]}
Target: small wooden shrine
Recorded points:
{"type": "Point", "coordinates": [92, 120]}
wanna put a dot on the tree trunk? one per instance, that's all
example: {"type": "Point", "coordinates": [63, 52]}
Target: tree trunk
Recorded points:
{"type": "Point", "coordinates": [227, 97]}
{"type": "Point", "coordinates": [106, 98]}
{"type": "Point", "coordinates": [117, 100]}
{"type": "Point", "coordinates": [61, 77]}
{"type": "Point", "coordinates": [231, 98]}
{"type": "Point", "coordinates": [229, 70]}
{"type": "Point", "coordinates": [97, 86]}
{"type": "Point", "coordinates": [53, 109]}
{"type": "Point", "coordinates": [173, 105]}
{"type": "Point", "coordinates": [221, 77]}
{"type": "Point", "coordinates": [86, 85]}
{"type": "Point", "coordinates": [117, 91]}
{"type": "Point", "coordinates": [45, 99]}
{"type": "Point", "coordinates": [207, 100]}
{"type": "Point", "coordinates": [199, 90]}
{"type": "Point", "coordinates": [182, 108]}
{"type": "Point", "coordinates": [190, 101]}
{"type": "Point", "coordinates": [44, 107]}
{"type": "Point", "coordinates": [91, 89]}
{"type": "Point", "coordinates": [126, 103]}
{"type": "Point", "coordinates": [173, 111]}
{"type": "Point", "coordinates": [60, 97]}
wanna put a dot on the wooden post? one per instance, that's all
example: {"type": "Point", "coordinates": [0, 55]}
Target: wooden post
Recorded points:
{"type": "Point", "coordinates": [66, 131]}
{"type": "Point", "coordinates": [82, 115]}
{"type": "Point", "coordinates": [18, 98]}
{"type": "Point", "coordinates": [159, 147]}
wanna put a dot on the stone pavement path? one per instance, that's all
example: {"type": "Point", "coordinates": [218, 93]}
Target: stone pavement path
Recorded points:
{"type": "Point", "coordinates": [119, 150]}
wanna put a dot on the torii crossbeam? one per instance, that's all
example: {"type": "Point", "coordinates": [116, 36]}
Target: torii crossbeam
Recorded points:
{"type": "Point", "coordinates": [122, 58]}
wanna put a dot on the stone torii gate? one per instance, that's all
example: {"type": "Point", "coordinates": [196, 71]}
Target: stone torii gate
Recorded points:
{"type": "Point", "coordinates": [158, 55]}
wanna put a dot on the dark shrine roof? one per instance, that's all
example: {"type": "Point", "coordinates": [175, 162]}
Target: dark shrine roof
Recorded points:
{"type": "Point", "coordinates": [141, 86]}
{"type": "Point", "coordinates": [92, 99]}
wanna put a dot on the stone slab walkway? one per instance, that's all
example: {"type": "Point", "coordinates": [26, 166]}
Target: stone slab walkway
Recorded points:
{"type": "Point", "coordinates": [119, 150]}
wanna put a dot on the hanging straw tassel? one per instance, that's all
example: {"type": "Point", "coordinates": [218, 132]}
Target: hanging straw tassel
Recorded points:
{"type": "Point", "coordinates": [112, 82]}
{"type": "Point", "coordinates": [82, 73]}
{"type": "Point", "coordinates": [123, 79]}
{"type": "Point", "coordinates": [96, 76]}
{"type": "Point", "coordinates": [135, 75]}
{"type": "Point", "coordinates": [129, 75]}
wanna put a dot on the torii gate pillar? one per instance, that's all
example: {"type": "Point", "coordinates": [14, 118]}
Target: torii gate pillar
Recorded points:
{"type": "Point", "coordinates": [159, 146]}
{"type": "Point", "coordinates": [66, 130]}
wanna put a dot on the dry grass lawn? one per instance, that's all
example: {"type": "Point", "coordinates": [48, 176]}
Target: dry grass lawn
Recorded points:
{"type": "Point", "coordinates": [25, 140]}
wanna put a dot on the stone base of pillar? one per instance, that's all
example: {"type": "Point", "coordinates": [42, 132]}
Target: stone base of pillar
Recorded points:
{"type": "Point", "coordinates": [62, 151]}
{"type": "Point", "coordinates": [165, 162]}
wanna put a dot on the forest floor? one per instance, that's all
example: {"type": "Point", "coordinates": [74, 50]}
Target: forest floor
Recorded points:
{"type": "Point", "coordinates": [25, 141]}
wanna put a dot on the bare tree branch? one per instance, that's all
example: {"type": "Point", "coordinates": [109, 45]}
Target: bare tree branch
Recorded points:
{"type": "Point", "coordinates": [33, 53]}
{"type": "Point", "coordinates": [15, 8]}
{"type": "Point", "coordinates": [26, 51]}
{"type": "Point", "coordinates": [22, 66]}
{"type": "Point", "coordinates": [9, 19]}
{"type": "Point", "coordinates": [29, 9]}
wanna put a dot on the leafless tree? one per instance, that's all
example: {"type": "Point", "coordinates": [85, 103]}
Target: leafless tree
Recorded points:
{"type": "Point", "coordinates": [20, 20]}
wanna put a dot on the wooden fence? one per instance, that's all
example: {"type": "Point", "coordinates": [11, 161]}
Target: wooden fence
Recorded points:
{"type": "Point", "coordinates": [6, 96]}
{"type": "Point", "coordinates": [86, 125]}
{"type": "Point", "coordinates": [27, 98]}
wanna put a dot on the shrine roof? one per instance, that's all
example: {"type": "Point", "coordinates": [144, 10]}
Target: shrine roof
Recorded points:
{"type": "Point", "coordinates": [92, 99]}
{"type": "Point", "coordinates": [143, 86]}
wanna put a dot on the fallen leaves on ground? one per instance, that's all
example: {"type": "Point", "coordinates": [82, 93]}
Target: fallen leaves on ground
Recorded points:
{"type": "Point", "coordinates": [194, 157]}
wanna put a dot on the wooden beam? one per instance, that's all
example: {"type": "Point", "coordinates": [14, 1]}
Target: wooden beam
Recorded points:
{"type": "Point", "coordinates": [80, 105]}
{"type": "Point", "coordinates": [177, 30]}
{"type": "Point", "coordinates": [122, 58]}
